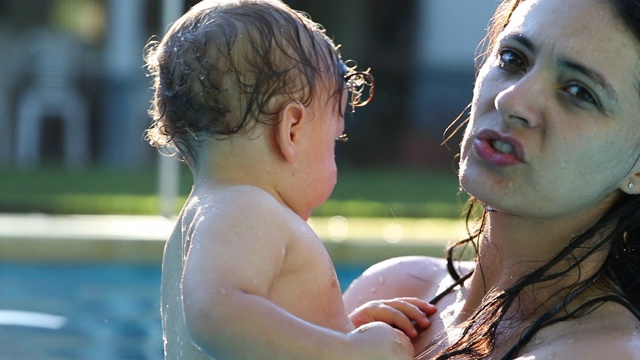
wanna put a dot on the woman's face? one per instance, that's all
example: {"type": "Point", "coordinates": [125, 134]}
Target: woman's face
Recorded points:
{"type": "Point", "coordinates": [555, 120]}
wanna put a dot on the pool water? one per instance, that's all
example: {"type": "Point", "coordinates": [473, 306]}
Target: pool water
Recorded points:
{"type": "Point", "coordinates": [82, 312]}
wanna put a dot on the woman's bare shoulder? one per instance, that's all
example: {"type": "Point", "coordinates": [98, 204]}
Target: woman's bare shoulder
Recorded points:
{"type": "Point", "coordinates": [610, 332]}
{"type": "Point", "coordinates": [405, 268]}
{"type": "Point", "coordinates": [414, 276]}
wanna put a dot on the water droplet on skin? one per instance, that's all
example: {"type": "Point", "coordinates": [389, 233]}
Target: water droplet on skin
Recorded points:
{"type": "Point", "coordinates": [284, 251]}
{"type": "Point", "coordinates": [223, 291]}
{"type": "Point", "coordinates": [381, 280]}
{"type": "Point", "coordinates": [373, 290]}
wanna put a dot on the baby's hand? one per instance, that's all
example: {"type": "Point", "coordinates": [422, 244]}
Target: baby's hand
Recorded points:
{"type": "Point", "coordinates": [377, 340]}
{"type": "Point", "coordinates": [408, 314]}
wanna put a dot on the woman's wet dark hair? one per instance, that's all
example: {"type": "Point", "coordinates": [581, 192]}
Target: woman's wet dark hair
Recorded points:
{"type": "Point", "coordinates": [618, 275]}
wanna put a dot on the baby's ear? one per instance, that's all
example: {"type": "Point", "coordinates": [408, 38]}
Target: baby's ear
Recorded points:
{"type": "Point", "coordinates": [287, 132]}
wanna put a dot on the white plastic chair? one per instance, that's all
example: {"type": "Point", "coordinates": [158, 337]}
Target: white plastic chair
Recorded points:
{"type": "Point", "coordinates": [53, 93]}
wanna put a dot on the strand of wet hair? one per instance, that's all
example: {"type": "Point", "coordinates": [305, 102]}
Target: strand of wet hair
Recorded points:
{"type": "Point", "coordinates": [545, 319]}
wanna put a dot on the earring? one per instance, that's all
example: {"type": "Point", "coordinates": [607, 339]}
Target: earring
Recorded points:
{"type": "Point", "coordinates": [488, 208]}
{"type": "Point", "coordinates": [630, 186]}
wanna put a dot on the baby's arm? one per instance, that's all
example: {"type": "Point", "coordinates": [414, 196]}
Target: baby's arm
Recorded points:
{"type": "Point", "coordinates": [407, 314]}
{"type": "Point", "coordinates": [234, 259]}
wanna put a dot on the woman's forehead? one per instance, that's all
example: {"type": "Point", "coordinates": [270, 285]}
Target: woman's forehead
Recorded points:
{"type": "Point", "coordinates": [587, 31]}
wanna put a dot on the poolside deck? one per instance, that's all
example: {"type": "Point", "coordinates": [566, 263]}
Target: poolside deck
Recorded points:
{"type": "Point", "coordinates": [140, 239]}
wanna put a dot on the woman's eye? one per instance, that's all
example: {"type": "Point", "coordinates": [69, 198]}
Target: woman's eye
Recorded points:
{"type": "Point", "coordinates": [510, 59]}
{"type": "Point", "coordinates": [581, 93]}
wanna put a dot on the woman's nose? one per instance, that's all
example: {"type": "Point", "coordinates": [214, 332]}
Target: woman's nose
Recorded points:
{"type": "Point", "coordinates": [520, 102]}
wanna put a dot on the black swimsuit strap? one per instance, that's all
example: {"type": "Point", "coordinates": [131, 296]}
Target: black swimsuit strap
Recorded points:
{"type": "Point", "coordinates": [446, 291]}
{"type": "Point", "coordinates": [545, 319]}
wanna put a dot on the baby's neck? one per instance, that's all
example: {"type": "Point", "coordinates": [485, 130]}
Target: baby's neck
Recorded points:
{"type": "Point", "coordinates": [236, 161]}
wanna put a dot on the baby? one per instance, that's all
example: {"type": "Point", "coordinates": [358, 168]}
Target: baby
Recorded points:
{"type": "Point", "coordinates": [251, 95]}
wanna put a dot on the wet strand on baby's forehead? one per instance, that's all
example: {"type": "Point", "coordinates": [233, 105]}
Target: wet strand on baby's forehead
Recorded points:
{"type": "Point", "coordinates": [183, 35]}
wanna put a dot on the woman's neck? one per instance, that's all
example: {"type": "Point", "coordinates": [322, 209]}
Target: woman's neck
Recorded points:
{"type": "Point", "coordinates": [513, 247]}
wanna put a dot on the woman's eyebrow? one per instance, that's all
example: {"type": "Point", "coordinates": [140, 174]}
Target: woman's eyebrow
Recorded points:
{"type": "Point", "coordinates": [567, 64]}
{"type": "Point", "coordinates": [592, 74]}
{"type": "Point", "coordinates": [521, 39]}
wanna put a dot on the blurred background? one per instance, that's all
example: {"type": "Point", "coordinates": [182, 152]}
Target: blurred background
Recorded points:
{"type": "Point", "coordinates": [74, 95]}
{"type": "Point", "coordinates": [79, 62]}
{"type": "Point", "coordinates": [78, 280]}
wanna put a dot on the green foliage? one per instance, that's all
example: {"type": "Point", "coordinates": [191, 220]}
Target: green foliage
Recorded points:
{"type": "Point", "coordinates": [394, 192]}
{"type": "Point", "coordinates": [380, 192]}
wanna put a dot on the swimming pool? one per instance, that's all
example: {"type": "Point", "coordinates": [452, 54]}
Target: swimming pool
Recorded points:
{"type": "Point", "coordinates": [82, 312]}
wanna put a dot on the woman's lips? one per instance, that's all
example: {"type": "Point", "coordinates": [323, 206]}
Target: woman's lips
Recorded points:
{"type": "Point", "coordinates": [498, 149]}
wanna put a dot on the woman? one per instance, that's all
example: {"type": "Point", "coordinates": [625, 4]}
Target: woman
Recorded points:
{"type": "Point", "coordinates": [551, 150]}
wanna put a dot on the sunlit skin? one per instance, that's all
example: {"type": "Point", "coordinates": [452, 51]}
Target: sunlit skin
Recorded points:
{"type": "Point", "coordinates": [313, 181]}
{"type": "Point", "coordinates": [553, 138]}
{"type": "Point", "coordinates": [252, 96]}
{"type": "Point", "coordinates": [244, 276]}
{"type": "Point", "coordinates": [537, 89]}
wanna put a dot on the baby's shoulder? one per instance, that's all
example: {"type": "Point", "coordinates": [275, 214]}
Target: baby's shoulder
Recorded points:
{"type": "Point", "coordinates": [241, 195]}
{"type": "Point", "coordinates": [240, 208]}
{"type": "Point", "coordinates": [233, 200]}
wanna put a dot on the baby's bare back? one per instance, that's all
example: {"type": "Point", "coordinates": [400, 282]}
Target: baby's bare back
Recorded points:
{"type": "Point", "coordinates": [238, 241]}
